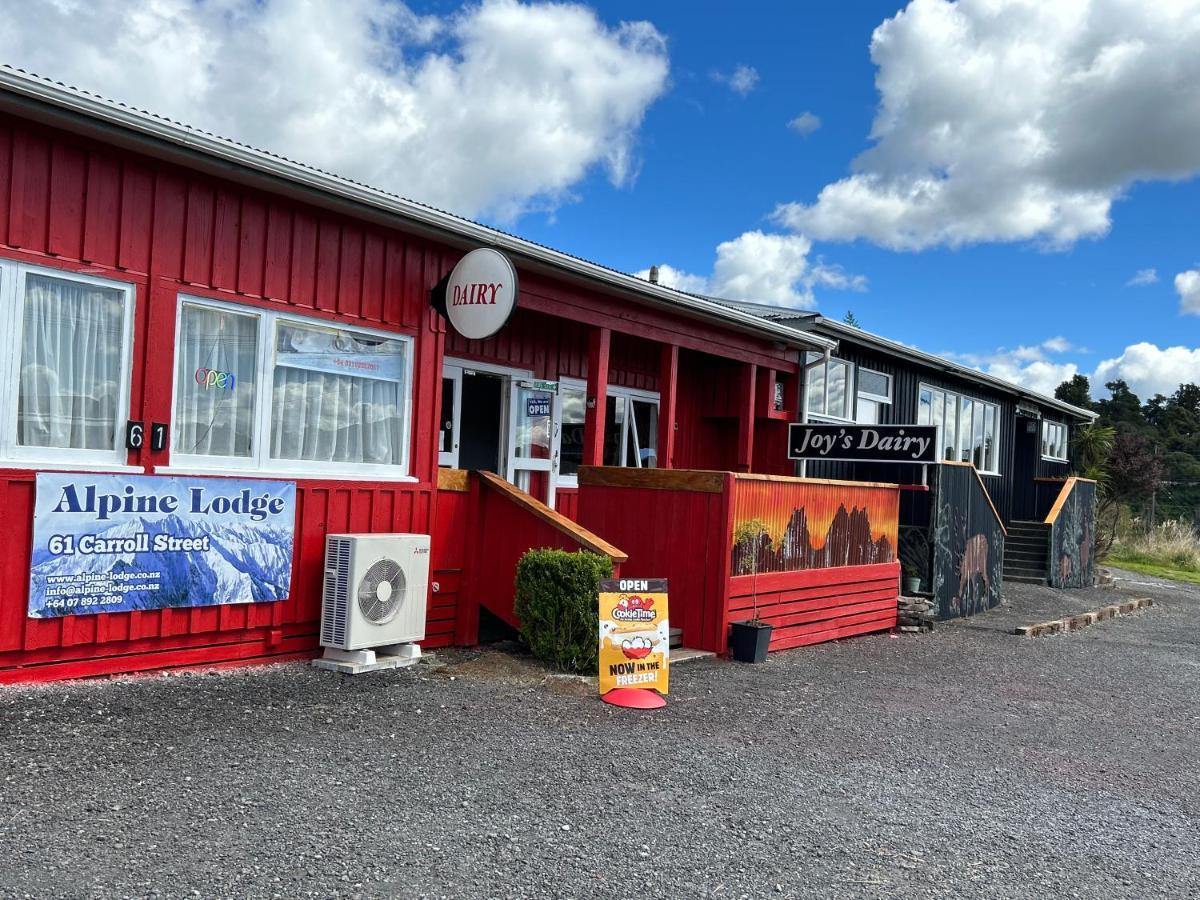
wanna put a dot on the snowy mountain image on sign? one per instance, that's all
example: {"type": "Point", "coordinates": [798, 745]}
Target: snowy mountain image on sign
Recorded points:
{"type": "Point", "coordinates": [245, 564]}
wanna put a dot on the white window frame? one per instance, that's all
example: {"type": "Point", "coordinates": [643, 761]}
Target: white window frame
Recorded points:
{"type": "Point", "coordinates": [1065, 437]}
{"type": "Point", "coordinates": [850, 402]}
{"type": "Point", "coordinates": [631, 394]}
{"type": "Point", "coordinates": [261, 461]}
{"type": "Point", "coordinates": [860, 394]}
{"type": "Point", "coordinates": [568, 384]}
{"type": "Point", "coordinates": [959, 433]}
{"type": "Point", "coordinates": [12, 323]}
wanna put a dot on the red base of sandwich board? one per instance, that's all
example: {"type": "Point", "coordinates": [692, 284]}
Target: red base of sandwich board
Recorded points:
{"type": "Point", "coordinates": [635, 698]}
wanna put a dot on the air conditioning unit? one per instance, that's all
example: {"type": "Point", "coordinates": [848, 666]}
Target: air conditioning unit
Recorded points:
{"type": "Point", "coordinates": [373, 601]}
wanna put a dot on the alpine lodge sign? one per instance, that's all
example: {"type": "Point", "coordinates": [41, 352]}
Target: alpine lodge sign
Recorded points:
{"type": "Point", "coordinates": [864, 443]}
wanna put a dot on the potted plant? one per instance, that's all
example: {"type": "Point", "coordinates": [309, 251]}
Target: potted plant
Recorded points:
{"type": "Point", "coordinates": [749, 640]}
{"type": "Point", "coordinates": [911, 582]}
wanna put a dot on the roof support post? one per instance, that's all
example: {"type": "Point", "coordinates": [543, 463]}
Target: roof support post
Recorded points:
{"type": "Point", "coordinates": [747, 382]}
{"type": "Point", "coordinates": [599, 342]}
{"type": "Point", "coordinates": [668, 377]}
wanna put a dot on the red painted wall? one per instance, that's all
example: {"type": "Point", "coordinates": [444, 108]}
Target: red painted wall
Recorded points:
{"type": "Point", "coordinates": [680, 535]}
{"type": "Point", "coordinates": [818, 605]}
{"type": "Point", "coordinates": [67, 203]}
{"type": "Point", "coordinates": [73, 203]}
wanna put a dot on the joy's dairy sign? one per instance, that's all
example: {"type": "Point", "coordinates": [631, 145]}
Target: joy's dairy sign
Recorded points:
{"type": "Point", "coordinates": [481, 293]}
{"type": "Point", "coordinates": [864, 443]}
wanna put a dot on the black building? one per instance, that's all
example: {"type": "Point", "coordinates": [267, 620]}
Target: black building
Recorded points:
{"type": "Point", "coordinates": [1004, 446]}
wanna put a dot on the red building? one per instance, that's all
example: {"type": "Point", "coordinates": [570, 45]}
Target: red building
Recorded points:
{"type": "Point", "coordinates": [156, 274]}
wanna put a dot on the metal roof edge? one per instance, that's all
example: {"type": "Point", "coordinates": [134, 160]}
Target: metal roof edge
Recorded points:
{"type": "Point", "coordinates": [849, 332]}
{"type": "Point", "coordinates": [92, 106]}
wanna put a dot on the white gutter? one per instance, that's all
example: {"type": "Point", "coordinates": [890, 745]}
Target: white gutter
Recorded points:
{"type": "Point", "coordinates": [74, 100]}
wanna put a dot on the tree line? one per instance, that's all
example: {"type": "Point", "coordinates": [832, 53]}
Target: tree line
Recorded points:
{"type": "Point", "coordinates": [1145, 455]}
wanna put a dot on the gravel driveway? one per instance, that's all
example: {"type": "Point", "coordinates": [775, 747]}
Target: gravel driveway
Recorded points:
{"type": "Point", "coordinates": [965, 762]}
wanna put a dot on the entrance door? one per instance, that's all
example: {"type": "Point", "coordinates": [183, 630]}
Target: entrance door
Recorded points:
{"type": "Point", "coordinates": [478, 426]}
{"type": "Point", "coordinates": [500, 420]}
{"type": "Point", "coordinates": [1026, 452]}
{"type": "Point", "coordinates": [533, 439]}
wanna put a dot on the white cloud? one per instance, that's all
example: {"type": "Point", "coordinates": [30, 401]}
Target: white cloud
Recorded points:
{"type": "Point", "coordinates": [805, 123]}
{"type": "Point", "coordinates": [1143, 278]}
{"type": "Point", "coordinates": [1015, 120]}
{"type": "Point", "coordinates": [496, 110]}
{"type": "Point", "coordinates": [1150, 369]}
{"type": "Point", "coordinates": [671, 277]}
{"type": "Point", "coordinates": [1147, 368]}
{"type": "Point", "coordinates": [764, 268]}
{"type": "Point", "coordinates": [742, 80]}
{"type": "Point", "coordinates": [1028, 366]}
{"type": "Point", "coordinates": [1187, 285]}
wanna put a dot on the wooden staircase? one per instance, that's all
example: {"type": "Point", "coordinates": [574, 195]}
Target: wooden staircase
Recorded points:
{"type": "Point", "coordinates": [1026, 553]}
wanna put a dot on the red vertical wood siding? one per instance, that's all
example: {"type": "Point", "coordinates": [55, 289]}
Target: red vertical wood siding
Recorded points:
{"type": "Point", "coordinates": [79, 204]}
{"type": "Point", "coordinates": [566, 501]}
{"type": "Point", "coordinates": [499, 533]}
{"type": "Point", "coordinates": [680, 535]}
{"type": "Point", "coordinates": [71, 204]}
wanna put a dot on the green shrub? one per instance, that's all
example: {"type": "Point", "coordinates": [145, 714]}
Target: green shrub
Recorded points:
{"type": "Point", "coordinates": [557, 601]}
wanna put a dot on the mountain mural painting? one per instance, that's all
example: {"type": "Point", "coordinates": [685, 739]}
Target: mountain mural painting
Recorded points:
{"type": "Point", "coordinates": [786, 525]}
{"type": "Point", "coordinates": [115, 543]}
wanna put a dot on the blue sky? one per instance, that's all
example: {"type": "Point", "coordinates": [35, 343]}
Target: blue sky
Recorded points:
{"type": "Point", "coordinates": [716, 163]}
{"type": "Point", "coordinates": [1028, 158]}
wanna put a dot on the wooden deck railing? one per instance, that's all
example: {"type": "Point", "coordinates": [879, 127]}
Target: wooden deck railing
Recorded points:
{"type": "Point", "coordinates": [503, 523]}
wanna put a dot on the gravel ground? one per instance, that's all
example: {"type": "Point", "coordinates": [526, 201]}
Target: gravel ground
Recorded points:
{"type": "Point", "coordinates": [964, 762]}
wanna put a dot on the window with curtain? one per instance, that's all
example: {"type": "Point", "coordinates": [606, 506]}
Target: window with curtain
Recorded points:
{"type": "Point", "coordinates": [336, 396]}
{"type": "Point", "coordinates": [216, 363]}
{"type": "Point", "coordinates": [69, 336]}
{"type": "Point", "coordinates": [337, 400]}
{"type": "Point", "coordinates": [968, 429]}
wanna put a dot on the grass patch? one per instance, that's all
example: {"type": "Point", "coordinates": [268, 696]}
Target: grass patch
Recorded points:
{"type": "Point", "coordinates": [1151, 567]}
{"type": "Point", "coordinates": [1172, 550]}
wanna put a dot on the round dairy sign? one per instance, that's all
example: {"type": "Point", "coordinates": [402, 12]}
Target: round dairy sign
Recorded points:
{"type": "Point", "coordinates": [481, 293]}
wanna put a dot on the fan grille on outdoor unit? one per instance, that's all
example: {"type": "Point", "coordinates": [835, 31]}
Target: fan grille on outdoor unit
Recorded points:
{"type": "Point", "coordinates": [374, 607]}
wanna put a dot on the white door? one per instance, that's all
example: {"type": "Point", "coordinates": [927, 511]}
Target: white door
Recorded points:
{"type": "Point", "coordinates": [532, 438]}
{"type": "Point", "coordinates": [450, 423]}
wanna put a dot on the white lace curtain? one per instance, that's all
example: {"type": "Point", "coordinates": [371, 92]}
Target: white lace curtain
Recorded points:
{"type": "Point", "coordinates": [212, 420]}
{"type": "Point", "coordinates": [316, 415]}
{"type": "Point", "coordinates": [71, 352]}
{"type": "Point", "coordinates": [324, 417]}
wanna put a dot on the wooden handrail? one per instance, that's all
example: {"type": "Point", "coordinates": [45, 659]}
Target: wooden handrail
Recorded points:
{"type": "Point", "coordinates": [698, 480]}
{"type": "Point", "coordinates": [982, 487]}
{"type": "Point", "coordinates": [1061, 500]}
{"type": "Point", "coordinates": [794, 479]}
{"type": "Point", "coordinates": [539, 510]}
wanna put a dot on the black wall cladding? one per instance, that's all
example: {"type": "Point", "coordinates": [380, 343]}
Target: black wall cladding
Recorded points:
{"type": "Point", "coordinates": [968, 545]}
{"type": "Point", "coordinates": [1072, 539]}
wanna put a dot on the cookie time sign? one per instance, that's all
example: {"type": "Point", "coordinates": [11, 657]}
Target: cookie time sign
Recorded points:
{"type": "Point", "coordinates": [481, 293]}
{"type": "Point", "coordinates": [635, 634]}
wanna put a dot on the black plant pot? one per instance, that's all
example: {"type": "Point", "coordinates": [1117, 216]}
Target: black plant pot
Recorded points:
{"type": "Point", "coordinates": [749, 641]}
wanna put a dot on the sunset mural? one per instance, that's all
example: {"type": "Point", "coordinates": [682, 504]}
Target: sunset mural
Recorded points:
{"type": "Point", "coordinates": [783, 524]}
